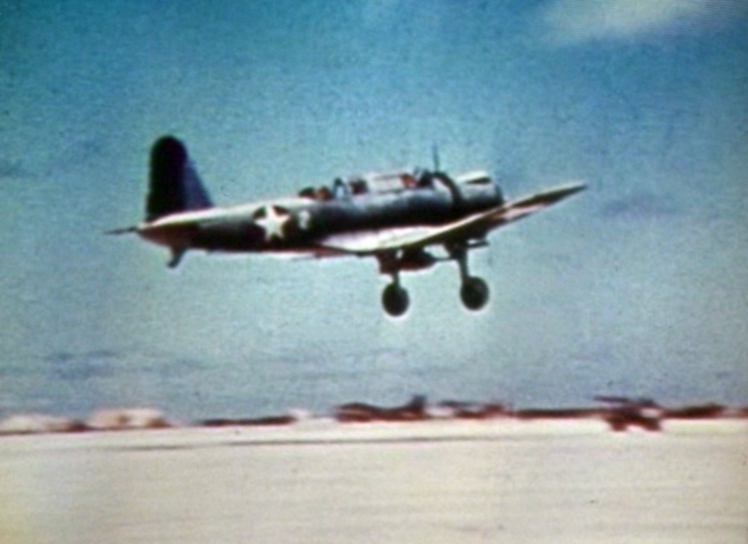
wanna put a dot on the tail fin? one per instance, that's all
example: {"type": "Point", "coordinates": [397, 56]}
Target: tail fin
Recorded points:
{"type": "Point", "coordinates": [174, 186]}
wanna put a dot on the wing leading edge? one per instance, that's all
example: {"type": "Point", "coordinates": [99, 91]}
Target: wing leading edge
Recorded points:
{"type": "Point", "coordinates": [474, 226]}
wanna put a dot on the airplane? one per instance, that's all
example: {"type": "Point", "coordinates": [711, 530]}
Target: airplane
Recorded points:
{"type": "Point", "coordinates": [395, 217]}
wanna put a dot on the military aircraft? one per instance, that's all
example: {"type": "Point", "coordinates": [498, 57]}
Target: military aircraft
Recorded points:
{"type": "Point", "coordinates": [394, 217]}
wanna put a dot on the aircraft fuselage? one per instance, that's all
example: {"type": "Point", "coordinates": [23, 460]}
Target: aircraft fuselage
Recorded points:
{"type": "Point", "coordinates": [296, 223]}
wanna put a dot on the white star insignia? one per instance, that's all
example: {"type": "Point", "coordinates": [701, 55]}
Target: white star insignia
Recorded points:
{"type": "Point", "coordinates": [272, 222]}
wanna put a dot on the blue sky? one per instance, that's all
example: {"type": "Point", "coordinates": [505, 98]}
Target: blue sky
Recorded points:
{"type": "Point", "coordinates": [635, 287]}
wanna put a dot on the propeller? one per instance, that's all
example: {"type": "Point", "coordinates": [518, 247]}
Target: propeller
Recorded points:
{"type": "Point", "coordinates": [435, 157]}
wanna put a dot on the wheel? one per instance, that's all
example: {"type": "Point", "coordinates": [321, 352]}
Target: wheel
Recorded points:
{"type": "Point", "coordinates": [474, 293]}
{"type": "Point", "coordinates": [395, 300]}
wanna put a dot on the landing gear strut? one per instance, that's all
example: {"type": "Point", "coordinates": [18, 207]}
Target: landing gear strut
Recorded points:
{"type": "Point", "coordinates": [474, 291]}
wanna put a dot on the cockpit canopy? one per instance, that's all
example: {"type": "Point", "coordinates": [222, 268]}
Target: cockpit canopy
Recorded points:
{"type": "Point", "coordinates": [478, 177]}
{"type": "Point", "coordinates": [388, 182]}
{"type": "Point", "coordinates": [375, 183]}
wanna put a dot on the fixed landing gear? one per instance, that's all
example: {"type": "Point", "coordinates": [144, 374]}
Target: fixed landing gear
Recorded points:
{"type": "Point", "coordinates": [474, 291]}
{"type": "Point", "coordinates": [395, 299]}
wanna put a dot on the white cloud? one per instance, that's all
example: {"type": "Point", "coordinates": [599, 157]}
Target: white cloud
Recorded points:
{"type": "Point", "coordinates": [573, 21]}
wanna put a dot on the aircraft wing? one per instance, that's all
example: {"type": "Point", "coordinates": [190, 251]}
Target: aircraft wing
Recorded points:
{"type": "Point", "coordinates": [470, 227]}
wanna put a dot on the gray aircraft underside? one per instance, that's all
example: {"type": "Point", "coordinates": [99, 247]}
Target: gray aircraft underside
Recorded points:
{"type": "Point", "coordinates": [394, 217]}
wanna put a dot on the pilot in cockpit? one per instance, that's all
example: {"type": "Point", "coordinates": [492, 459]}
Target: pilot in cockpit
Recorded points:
{"type": "Point", "coordinates": [322, 192]}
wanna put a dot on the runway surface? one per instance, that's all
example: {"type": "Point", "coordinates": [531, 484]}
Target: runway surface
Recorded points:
{"type": "Point", "coordinates": [436, 482]}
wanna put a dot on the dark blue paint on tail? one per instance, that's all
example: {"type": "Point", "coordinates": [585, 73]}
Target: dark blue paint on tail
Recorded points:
{"type": "Point", "coordinates": [174, 185]}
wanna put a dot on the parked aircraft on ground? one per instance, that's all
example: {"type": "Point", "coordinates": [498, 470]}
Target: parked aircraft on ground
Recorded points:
{"type": "Point", "coordinates": [395, 217]}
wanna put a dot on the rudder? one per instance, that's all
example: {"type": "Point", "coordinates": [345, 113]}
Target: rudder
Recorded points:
{"type": "Point", "coordinates": [174, 185]}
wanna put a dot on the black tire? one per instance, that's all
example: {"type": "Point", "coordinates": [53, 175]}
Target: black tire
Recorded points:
{"type": "Point", "coordinates": [395, 300]}
{"type": "Point", "coordinates": [474, 293]}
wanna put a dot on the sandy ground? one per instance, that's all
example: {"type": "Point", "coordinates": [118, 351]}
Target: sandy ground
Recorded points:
{"type": "Point", "coordinates": [321, 482]}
